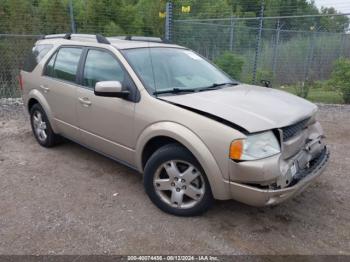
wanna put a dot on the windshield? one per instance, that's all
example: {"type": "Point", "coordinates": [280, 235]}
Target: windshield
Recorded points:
{"type": "Point", "coordinates": [174, 69]}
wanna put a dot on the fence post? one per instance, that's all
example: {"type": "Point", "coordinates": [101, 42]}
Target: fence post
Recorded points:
{"type": "Point", "coordinates": [169, 21]}
{"type": "Point", "coordinates": [342, 44]}
{"type": "Point", "coordinates": [275, 49]}
{"type": "Point", "coordinates": [231, 33]}
{"type": "Point", "coordinates": [258, 41]}
{"type": "Point", "coordinates": [310, 57]}
{"type": "Point", "coordinates": [71, 14]}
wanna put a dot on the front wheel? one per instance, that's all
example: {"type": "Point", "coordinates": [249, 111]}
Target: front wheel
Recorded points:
{"type": "Point", "coordinates": [176, 183]}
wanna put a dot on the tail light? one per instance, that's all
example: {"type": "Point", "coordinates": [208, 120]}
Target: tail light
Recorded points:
{"type": "Point", "coordinates": [20, 81]}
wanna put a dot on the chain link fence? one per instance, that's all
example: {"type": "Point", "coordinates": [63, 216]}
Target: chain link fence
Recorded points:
{"type": "Point", "coordinates": [284, 56]}
{"type": "Point", "coordinates": [286, 51]}
{"type": "Point", "coordinates": [13, 51]}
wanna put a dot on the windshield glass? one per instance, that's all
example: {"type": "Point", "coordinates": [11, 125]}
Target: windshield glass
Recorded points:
{"type": "Point", "coordinates": [162, 69]}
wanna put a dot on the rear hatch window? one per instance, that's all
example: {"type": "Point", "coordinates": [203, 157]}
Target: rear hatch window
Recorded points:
{"type": "Point", "coordinates": [35, 56]}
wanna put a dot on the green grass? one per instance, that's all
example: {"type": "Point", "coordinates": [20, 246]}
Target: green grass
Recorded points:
{"type": "Point", "coordinates": [319, 95]}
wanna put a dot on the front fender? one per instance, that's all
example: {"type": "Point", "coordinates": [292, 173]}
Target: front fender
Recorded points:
{"type": "Point", "coordinates": [192, 142]}
{"type": "Point", "coordinates": [35, 94]}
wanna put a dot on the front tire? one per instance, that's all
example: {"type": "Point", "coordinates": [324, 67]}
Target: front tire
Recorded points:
{"type": "Point", "coordinates": [176, 183]}
{"type": "Point", "coordinates": [41, 127]}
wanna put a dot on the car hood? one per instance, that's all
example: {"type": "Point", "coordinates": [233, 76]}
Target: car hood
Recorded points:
{"type": "Point", "coordinates": [253, 108]}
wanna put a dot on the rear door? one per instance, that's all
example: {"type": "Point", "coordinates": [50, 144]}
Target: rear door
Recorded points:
{"type": "Point", "coordinates": [106, 123]}
{"type": "Point", "coordinates": [59, 86]}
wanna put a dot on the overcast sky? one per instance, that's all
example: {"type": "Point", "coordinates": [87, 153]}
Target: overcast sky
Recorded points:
{"type": "Point", "coordinates": [342, 6]}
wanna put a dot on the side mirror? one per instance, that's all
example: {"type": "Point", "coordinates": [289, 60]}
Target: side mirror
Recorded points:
{"type": "Point", "coordinates": [110, 89]}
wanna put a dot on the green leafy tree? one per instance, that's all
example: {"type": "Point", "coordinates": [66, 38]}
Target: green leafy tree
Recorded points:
{"type": "Point", "coordinates": [341, 78]}
{"type": "Point", "coordinates": [53, 16]}
{"type": "Point", "coordinates": [203, 9]}
{"type": "Point", "coordinates": [113, 29]}
{"type": "Point", "coordinates": [148, 13]}
{"type": "Point", "coordinates": [231, 64]}
{"type": "Point", "coordinates": [333, 23]}
{"type": "Point", "coordinates": [142, 16]}
{"type": "Point", "coordinates": [18, 17]}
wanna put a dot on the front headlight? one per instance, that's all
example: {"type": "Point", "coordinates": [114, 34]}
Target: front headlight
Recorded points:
{"type": "Point", "coordinates": [255, 146]}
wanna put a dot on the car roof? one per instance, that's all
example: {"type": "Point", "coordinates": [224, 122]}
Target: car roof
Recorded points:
{"type": "Point", "coordinates": [117, 42]}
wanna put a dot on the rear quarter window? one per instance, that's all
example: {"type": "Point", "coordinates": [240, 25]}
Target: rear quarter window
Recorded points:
{"type": "Point", "coordinates": [35, 56]}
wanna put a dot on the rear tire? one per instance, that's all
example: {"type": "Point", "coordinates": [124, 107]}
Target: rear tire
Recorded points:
{"type": "Point", "coordinates": [176, 183]}
{"type": "Point", "coordinates": [41, 127]}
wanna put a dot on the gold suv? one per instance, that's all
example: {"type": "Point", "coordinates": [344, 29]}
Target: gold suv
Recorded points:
{"type": "Point", "coordinates": [193, 132]}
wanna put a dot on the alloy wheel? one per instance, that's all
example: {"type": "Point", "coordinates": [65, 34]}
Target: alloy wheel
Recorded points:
{"type": "Point", "coordinates": [179, 184]}
{"type": "Point", "coordinates": [39, 126]}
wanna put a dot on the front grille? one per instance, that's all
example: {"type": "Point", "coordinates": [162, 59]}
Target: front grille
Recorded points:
{"type": "Point", "coordinates": [292, 130]}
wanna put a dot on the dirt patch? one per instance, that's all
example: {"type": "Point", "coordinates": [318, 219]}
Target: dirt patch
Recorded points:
{"type": "Point", "coordinates": [69, 200]}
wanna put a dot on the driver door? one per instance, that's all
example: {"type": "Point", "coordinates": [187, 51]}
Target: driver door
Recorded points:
{"type": "Point", "coordinates": [106, 123]}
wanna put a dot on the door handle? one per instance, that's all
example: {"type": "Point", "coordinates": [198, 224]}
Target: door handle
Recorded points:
{"type": "Point", "coordinates": [45, 88]}
{"type": "Point", "coordinates": [84, 101]}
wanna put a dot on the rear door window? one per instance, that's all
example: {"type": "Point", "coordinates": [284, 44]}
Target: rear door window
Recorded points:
{"type": "Point", "coordinates": [66, 63]}
{"type": "Point", "coordinates": [35, 56]}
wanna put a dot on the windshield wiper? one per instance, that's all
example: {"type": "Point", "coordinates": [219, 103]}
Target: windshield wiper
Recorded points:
{"type": "Point", "coordinates": [216, 86]}
{"type": "Point", "coordinates": [174, 91]}
{"type": "Point", "coordinates": [184, 90]}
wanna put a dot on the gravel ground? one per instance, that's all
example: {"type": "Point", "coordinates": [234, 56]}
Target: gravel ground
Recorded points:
{"type": "Point", "coordinates": [69, 200]}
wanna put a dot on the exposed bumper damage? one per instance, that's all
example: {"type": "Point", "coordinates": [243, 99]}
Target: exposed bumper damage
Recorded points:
{"type": "Point", "coordinates": [261, 197]}
{"type": "Point", "coordinates": [270, 181]}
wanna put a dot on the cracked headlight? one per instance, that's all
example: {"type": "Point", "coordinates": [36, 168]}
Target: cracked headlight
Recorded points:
{"type": "Point", "coordinates": [255, 146]}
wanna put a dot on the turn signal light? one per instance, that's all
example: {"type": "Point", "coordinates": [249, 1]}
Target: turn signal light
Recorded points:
{"type": "Point", "coordinates": [236, 149]}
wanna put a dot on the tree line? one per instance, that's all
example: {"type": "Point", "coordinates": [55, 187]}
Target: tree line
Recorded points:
{"type": "Point", "coordinates": [143, 17]}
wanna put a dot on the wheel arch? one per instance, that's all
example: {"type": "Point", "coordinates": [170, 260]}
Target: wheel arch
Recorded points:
{"type": "Point", "coordinates": [153, 145]}
{"type": "Point", "coordinates": [31, 103]}
{"type": "Point", "coordinates": [170, 132]}
{"type": "Point", "coordinates": [36, 97]}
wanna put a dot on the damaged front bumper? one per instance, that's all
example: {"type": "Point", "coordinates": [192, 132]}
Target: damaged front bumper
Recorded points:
{"type": "Point", "coordinates": [256, 196]}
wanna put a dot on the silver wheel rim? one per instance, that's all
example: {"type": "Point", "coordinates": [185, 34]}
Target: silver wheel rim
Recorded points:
{"type": "Point", "coordinates": [39, 126]}
{"type": "Point", "coordinates": [179, 184]}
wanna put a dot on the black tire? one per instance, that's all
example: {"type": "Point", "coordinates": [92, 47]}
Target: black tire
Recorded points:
{"type": "Point", "coordinates": [52, 139]}
{"type": "Point", "coordinates": [163, 155]}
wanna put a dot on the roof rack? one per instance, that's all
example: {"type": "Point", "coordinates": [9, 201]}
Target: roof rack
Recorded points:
{"type": "Point", "coordinates": [69, 36]}
{"type": "Point", "coordinates": [142, 39]}
{"type": "Point", "coordinates": [65, 36]}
